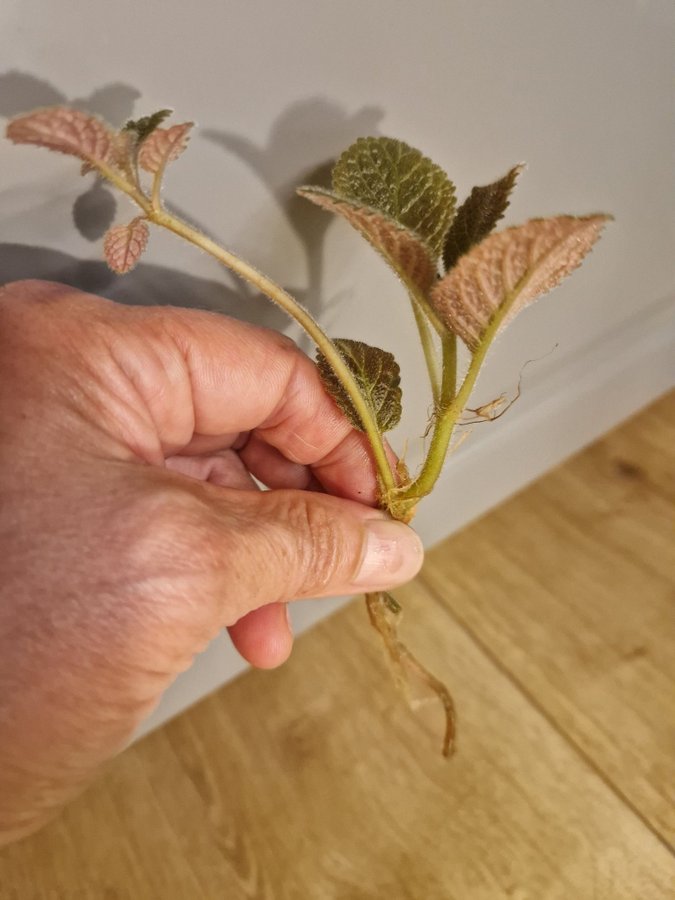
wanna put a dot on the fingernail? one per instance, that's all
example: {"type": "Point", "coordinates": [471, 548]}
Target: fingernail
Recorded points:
{"type": "Point", "coordinates": [289, 621]}
{"type": "Point", "coordinates": [393, 555]}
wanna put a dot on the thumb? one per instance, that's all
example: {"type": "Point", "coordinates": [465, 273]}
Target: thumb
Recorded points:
{"type": "Point", "coordinates": [284, 545]}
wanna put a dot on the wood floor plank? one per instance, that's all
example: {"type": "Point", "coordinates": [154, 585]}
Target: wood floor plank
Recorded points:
{"type": "Point", "coordinates": [316, 782]}
{"type": "Point", "coordinates": [571, 586]}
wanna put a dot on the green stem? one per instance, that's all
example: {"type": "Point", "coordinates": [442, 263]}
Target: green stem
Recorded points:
{"type": "Point", "coordinates": [449, 414]}
{"type": "Point", "coordinates": [449, 383]}
{"type": "Point", "coordinates": [430, 355]}
{"type": "Point", "coordinates": [279, 296]}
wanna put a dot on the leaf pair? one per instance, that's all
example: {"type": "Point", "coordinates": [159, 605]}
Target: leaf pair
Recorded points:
{"type": "Point", "coordinates": [100, 147]}
{"type": "Point", "coordinates": [404, 205]}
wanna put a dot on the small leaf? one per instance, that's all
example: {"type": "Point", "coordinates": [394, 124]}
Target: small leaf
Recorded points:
{"type": "Point", "coordinates": [163, 146]}
{"type": "Point", "coordinates": [389, 176]}
{"type": "Point", "coordinates": [377, 375]}
{"type": "Point", "coordinates": [405, 252]}
{"type": "Point", "coordinates": [143, 128]}
{"type": "Point", "coordinates": [124, 244]}
{"type": "Point", "coordinates": [508, 270]}
{"type": "Point", "coordinates": [65, 130]}
{"type": "Point", "coordinates": [477, 216]}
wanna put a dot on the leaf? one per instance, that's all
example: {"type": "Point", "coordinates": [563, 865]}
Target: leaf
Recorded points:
{"type": "Point", "coordinates": [163, 146]}
{"type": "Point", "coordinates": [477, 216]}
{"type": "Point", "coordinates": [143, 127]}
{"type": "Point", "coordinates": [508, 270]}
{"type": "Point", "coordinates": [377, 375]}
{"type": "Point", "coordinates": [405, 252]}
{"type": "Point", "coordinates": [65, 130]}
{"type": "Point", "coordinates": [389, 176]}
{"type": "Point", "coordinates": [397, 180]}
{"type": "Point", "coordinates": [123, 245]}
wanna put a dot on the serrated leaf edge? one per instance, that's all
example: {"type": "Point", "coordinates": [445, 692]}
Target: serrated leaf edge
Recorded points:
{"type": "Point", "coordinates": [503, 313]}
{"type": "Point", "coordinates": [309, 191]}
{"type": "Point", "coordinates": [367, 141]}
{"type": "Point", "coordinates": [513, 173]}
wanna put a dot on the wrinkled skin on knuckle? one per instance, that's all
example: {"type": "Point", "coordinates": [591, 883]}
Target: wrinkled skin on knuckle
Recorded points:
{"type": "Point", "coordinates": [315, 549]}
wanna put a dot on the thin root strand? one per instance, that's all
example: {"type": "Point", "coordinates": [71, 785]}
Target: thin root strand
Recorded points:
{"type": "Point", "coordinates": [378, 605]}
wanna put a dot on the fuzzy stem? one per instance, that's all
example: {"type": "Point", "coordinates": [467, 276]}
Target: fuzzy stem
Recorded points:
{"type": "Point", "coordinates": [449, 382]}
{"type": "Point", "coordinates": [430, 355]}
{"type": "Point", "coordinates": [452, 406]}
{"type": "Point", "coordinates": [279, 296]}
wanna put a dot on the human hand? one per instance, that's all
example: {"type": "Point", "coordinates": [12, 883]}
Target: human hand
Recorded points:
{"type": "Point", "coordinates": [132, 532]}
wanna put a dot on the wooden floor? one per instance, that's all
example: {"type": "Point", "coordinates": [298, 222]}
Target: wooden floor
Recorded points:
{"type": "Point", "coordinates": [553, 621]}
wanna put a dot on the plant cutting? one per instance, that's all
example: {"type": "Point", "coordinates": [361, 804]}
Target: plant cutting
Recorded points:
{"type": "Point", "coordinates": [463, 281]}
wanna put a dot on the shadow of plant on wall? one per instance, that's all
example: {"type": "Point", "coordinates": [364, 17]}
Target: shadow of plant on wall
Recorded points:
{"type": "Point", "coordinates": [315, 126]}
{"type": "Point", "coordinates": [323, 128]}
{"type": "Point", "coordinates": [95, 208]}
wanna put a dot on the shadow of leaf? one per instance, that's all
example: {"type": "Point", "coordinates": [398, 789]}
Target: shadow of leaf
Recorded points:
{"type": "Point", "coordinates": [317, 126]}
{"type": "Point", "coordinates": [94, 211]}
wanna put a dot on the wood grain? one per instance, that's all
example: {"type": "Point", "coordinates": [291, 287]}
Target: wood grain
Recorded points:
{"type": "Point", "coordinates": [571, 586]}
{"type": "Point", "coordinates": [315, 782]}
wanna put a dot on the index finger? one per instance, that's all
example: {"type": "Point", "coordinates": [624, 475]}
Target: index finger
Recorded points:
{"type": "Point", "coordinates": [245, 378]}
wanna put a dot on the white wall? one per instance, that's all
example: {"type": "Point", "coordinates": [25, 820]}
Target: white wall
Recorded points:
{"type": "Point", "coordinates": [580, 89]}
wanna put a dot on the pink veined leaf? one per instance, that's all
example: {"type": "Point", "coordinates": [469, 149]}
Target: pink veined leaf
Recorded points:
{"type": "Point", "coordinates": [65, 130]}
{"type": "Point", "coordinates": [509, 270]}
{"type": "Point", "coordinates": [163, 146]}
{"type": "Point", "coordinates": [405, 251]}
{"type": "Point", "coordinates": [123, 245]}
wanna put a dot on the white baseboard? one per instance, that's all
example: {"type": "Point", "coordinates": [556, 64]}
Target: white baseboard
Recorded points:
{"type": "Point", "coordinates": [585, 396]}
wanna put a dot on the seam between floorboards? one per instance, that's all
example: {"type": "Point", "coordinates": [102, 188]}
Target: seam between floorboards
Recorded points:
{"type": "Point", "coordinates": [534, 702]}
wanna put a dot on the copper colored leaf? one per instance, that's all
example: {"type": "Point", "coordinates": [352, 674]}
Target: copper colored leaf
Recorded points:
{"type": "Point", "coordinates": [405, 252]}
{"type": "Point", "coordinates": [65, 130]}
{"type": "Point", "coordinates": [477, 216]}
{"type": "Point", "coordinates": [377, 375]}
{"type": "Point", "coordinates": [389, 176]}
{"type": "Point", "coordinates": [508, 270]}
{"type": "Point", "coordinates": [124, 244]}
{"type": "Point", "coordinates": [163, 146]}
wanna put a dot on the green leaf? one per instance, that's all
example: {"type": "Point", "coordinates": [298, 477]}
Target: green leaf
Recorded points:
{"type": "Point", "coordinates": [377, 375]}
{"type": "Point", "coordinates": [504, 273]}
{"type": "Point", "coordinates": [389, 176]}
{"type": "Point", "coordinates": [143, 128]}
{"type": "Point", "coordinates": [477, 216]}
{"type": "Point", "coordinates": [405, 252]}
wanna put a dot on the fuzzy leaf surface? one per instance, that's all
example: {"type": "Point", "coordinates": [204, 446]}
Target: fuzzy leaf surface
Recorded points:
{"type": "Point", "coordinates": [64, 130]}
{"type": "Point", "coordinates": [377, 375]}
{"type": "Point", "coordinates": [163, 146]}
{"type": "Point", "coordinates": [510, 269]}
{"type": "Point", "coordinates": [123, 245]}
{"type": "Point", "coordinates": [405, 252]}
{"type": "Point", "coordinates": [477, 216]}
{"type": "Point", "coordinates": [395, 179]}
{"type": "Point", "coordinates": [143, 127]}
